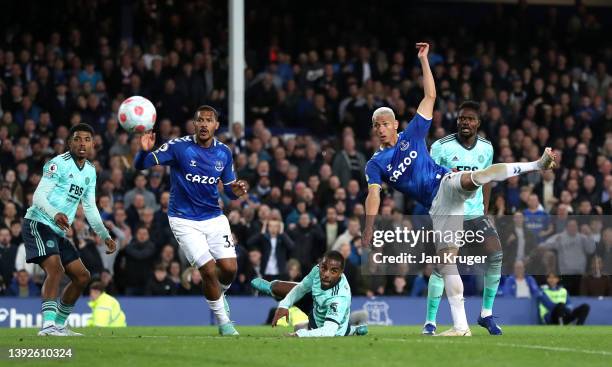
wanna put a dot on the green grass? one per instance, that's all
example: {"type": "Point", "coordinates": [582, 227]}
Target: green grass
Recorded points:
{"type": "Point", "coordinates": [263, 346]}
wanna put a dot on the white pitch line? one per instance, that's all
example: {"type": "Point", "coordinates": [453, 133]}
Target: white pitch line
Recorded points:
{"type": "Point", "coordinates": [539, 347]}
{"type": "Point", "coordinates": [557, 349]}
{"type": "Point", "coordinates": [423, 340]}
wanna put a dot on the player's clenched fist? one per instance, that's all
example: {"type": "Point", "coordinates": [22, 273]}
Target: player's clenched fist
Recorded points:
{"type": "Point", "coordinates": [423, 49]}
{"type": "Point", "coordinates": [239, 188]}
{"type": "Point", "coordinates": [62, 221]}
{"type": "Point", "coordinates": [147, 141]}
{"type": "Point", "coordinates": [111, 246]}
{"type": "Point", "coordinates": [279, 314]}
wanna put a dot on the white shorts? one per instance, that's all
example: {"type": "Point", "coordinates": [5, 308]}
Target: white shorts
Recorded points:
{"type": "Point", "coordinates": [204, 240]}
{"type": "Point", "coordinates": [447, 207]}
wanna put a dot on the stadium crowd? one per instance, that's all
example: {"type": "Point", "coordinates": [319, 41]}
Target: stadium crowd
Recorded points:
{"type": "Point", "coordinates": [313, 82]}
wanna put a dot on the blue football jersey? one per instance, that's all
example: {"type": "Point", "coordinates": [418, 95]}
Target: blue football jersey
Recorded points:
{"type": "Point", "coordinates": [407, 166]}
{"type": "Point", "coordinates": [195, 172]}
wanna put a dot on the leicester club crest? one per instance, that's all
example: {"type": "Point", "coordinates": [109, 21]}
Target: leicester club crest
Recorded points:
{"type": "Point", "coordinates": [219, 166]}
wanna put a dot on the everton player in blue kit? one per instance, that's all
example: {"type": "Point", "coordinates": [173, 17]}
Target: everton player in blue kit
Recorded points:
{"type": "Point", "coordinates": [403, 162]}
{"type": "Point", "coordinates": [197, 164]}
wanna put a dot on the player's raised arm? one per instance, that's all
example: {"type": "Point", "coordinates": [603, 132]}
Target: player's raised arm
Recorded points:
{"type": "Point", "coordinates": [147, 159]}
{"type": "Point", "coordinates": [429, 86]}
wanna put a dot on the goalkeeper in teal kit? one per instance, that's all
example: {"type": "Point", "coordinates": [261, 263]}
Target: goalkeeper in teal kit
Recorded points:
{"type": "Point", "coordinates": [331, 296]}
{"type": "Point", "coordinates": [68, 180]}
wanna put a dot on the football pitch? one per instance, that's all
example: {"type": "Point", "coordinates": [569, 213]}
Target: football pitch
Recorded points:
{"type": "Point", "coordinates": [263, 346]}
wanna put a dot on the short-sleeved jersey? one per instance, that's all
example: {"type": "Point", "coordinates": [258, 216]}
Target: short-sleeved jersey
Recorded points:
{"type": "Point", "coordinates": [195, 172]}
{"type": "Point", "coordinates": [332, 304]}
{"type": "Point", "coordinates": [64, 185]}
{"type": "Point", "coordinates": [407, 166]}
{"type": "Point", "coordinates": [450, 153]}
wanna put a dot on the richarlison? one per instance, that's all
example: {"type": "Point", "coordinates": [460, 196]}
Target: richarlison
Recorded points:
{"type": "Point", "coordinates": [425, 259]}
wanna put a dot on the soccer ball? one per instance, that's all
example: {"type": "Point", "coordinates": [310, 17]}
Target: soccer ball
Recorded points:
{"type": "Point", "coordinates": [137, 114]}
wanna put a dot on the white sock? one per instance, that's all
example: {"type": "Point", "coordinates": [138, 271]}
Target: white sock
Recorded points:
{"type": "Point", "coordinates": [224, 287]}
{"type": "Point", "coordinates": [485, 313]}
{"type": "Point", "coordinates": [458, 312]}
{"type": "Point", "coordinates": [218, 308]}
{"type": "Point", "coordinates": [503, 171]}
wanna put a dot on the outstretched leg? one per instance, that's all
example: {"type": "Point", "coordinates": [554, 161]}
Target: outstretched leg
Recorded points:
{"type": "Point", "coordinates": [276, 288]}
{"type": "Point", "coordinates": [502, 171]}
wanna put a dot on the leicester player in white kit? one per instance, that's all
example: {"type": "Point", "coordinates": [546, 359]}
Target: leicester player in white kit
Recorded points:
{"type": "Point", "coordinates": [68, 180]}
{"type": "Point", "coordinates": [197, 164]}
{"type": "Point", "coordinates": [467, 151]}
{"type": "Point", "coordinates": [403, 162]}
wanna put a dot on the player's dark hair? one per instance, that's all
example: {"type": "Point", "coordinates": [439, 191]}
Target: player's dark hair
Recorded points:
{"type": "Point", "coordinates": [99, 286]}
{"type": "Point", "coordinates": [206, 108]}
{"type": "Point", "coordinates": [335, 255]}
{"type": "Point", "coordinates": [470, 105]}
{"type": "Point", "coordinates": [80, 127]}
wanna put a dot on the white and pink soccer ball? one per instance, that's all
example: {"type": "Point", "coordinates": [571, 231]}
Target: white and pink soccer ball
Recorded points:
{"type": "Point", "coordinates": [137, 114]}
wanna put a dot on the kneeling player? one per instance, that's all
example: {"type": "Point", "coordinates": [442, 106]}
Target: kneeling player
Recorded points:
{"type": "Point", "coordinates": [331, 295]}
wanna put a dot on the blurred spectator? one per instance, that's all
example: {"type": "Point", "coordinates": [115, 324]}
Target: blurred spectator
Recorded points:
{"type": "Point", "coordinates": [136, 263]}
{"type": "Point", "coordinates": [275, 247]}
{"type": "Point", "coordinates": [140, 183]}
{"type": "Point", "coordinates": [594, 284]}
{"type": "Point", "coordinates": [555, 307]}
{"type": "Point", "coordinates": [174, 274]}
{"type": "Point", "coordinates": [353, 230]}
{"type": "Point", "coordinates": [519, 284]}
{"type": "Point", "coordinates": [191, 282]}
{"type": "Point", "coordinates": [160, 284]}
{"type": "Point", "coordinates": [309, 242]}
{"type": "Point", "coordinates": [536, 219]}
{"type": "Point", "coordinates": [573, 249]}
{"type": "Point", "coordinates": [294, 271]}
{"type": "Point", "coordinates": [23, 286]}
{"type": "Point", "coordinates": [349, 164]}
{"type": "Point", "coordinates": [8, 254]}
{"type": "Point", "coordinates": [105, 309]}
{"type": "Point", "coordinates": [331, 227]}
{"type": "Point", "coordinates": [518, 243]}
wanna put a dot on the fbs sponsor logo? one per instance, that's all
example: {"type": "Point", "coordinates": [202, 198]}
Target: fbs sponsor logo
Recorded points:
{"type": "Point", "coordinates": [10, 317]}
